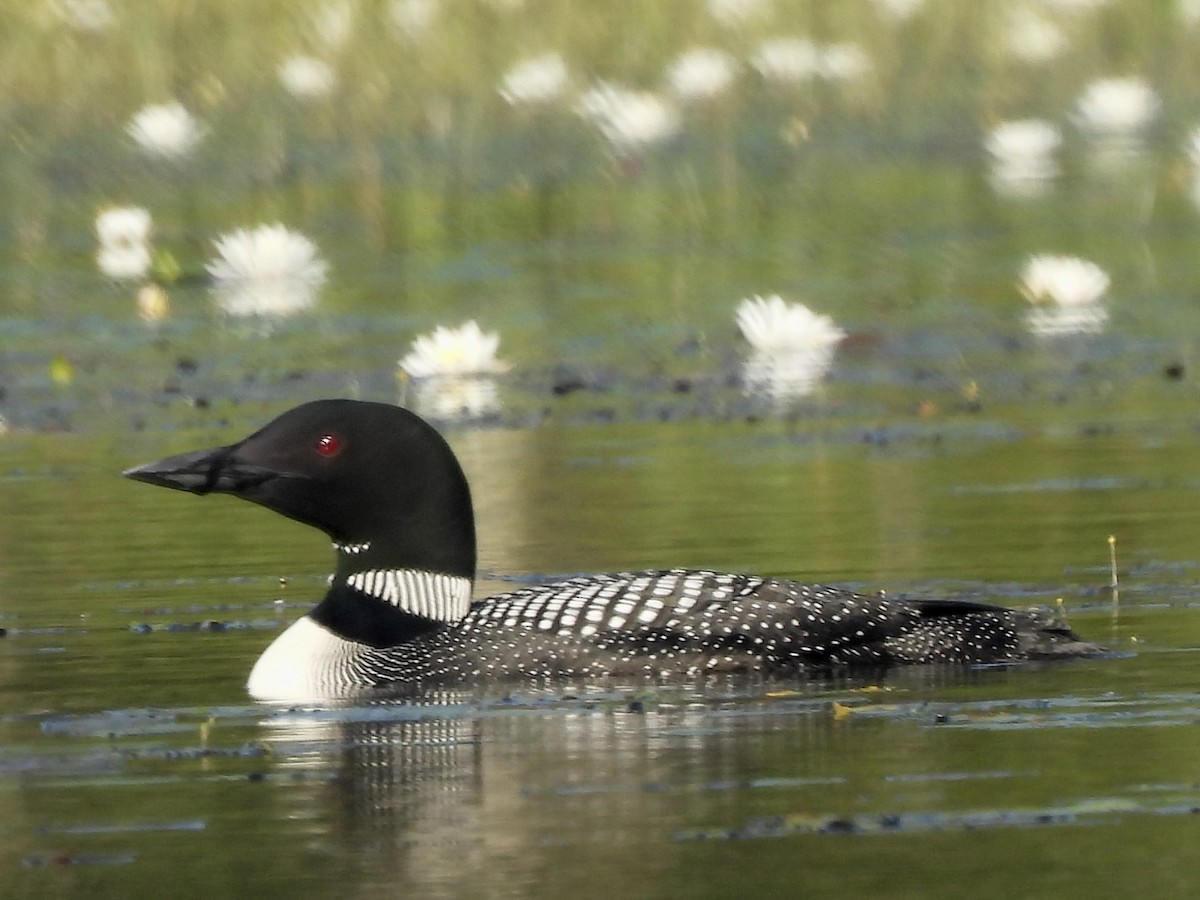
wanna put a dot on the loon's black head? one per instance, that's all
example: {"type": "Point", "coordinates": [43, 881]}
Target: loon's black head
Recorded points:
{"type": "Point", "coordinates": [374, 477]}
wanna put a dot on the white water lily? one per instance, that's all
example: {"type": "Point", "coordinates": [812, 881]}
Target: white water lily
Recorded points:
{"type": "Point", "coordinates": [1022, 155]}
{"type": "Point", "coordinates": [1063, 280]}
{"type": "Point", "coordinates": [538, 79]}
{"type": "Point", "coordinates": [166, 130]}
{"type": "Point", "coordinates": [465, 350]}
{"type": "Point", "coordinates": [771, 325]}
{"type": "Point", "coordinates": [265, 271]}
{"type": "Point", "coordinates": [701, 73]}
{"type": "Point", "coordinates": [1066, 293]}
{"type": "Point", "coordinates": [124, 225]}
{"type": "Point", "coordinates": [306, 77]}
{"type": "Point", "coordinates": [1024, 143]}
{"type": "Point", "coordinates": [123, 233]}
{"type": "Point", "coordinates": [629, 119]}
{"type": "Point", "coordinates": [1117, 107]}
{"type": "Point", "coordinates": [792, 347]}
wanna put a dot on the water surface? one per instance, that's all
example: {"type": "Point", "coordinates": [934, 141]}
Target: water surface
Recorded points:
{"type": "Point", "coordinates": [949, 452]}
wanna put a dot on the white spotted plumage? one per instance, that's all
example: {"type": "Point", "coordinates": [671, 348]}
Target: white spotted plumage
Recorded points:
{"type": "Point", "coordinates": [684, 622]}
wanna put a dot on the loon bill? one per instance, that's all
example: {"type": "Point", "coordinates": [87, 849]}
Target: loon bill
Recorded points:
{"type": "Point", "coordinates": [389, 492]}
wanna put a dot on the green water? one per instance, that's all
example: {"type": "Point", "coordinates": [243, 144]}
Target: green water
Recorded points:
{"type": "Point", "coordinates": [949, 452]}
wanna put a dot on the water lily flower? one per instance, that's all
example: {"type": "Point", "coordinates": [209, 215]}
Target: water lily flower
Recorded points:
{"type": "Point", "coordinates": [1022, 155]}
{"type": "Point", "coordinates": [629, 119]}
{"type": "Point", "coordinates": [166, 130]}
{"type": "Point", "coordinates": [1063, 280]}
{"type": "Point", "coordinates": [538, 79]}
{"type": "Point", "coordinates": [1066, 293]}
{"type": "Point", "coordinates": [265, 271]}
{"type": "Point", "coordinates": [771, 325]}
{"type": "Point", "coordinates": [1117, 107]}
{"type": "Point", "coordinates": [123, 233]}
{"type": "Point", "coordinates": [465, 350]}
{"type": "Point", "coordinates": [306, 77]}
{"type": "Point", "coordinates": [701, 73]}
{"type": "Point", "coordinates": [792, 347]}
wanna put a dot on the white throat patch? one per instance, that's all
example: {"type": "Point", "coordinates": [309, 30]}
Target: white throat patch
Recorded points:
{"type": "Point", "coordinates": [444, 598]}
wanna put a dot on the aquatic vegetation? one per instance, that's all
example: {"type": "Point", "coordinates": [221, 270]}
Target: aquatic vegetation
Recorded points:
{"type": "Point", "coordinates": [167, 130]}
{"type": "Point", "coordinates": [465, 350]}
{"type": "Point", "coordinates": [535, 80]}
{"type": "Point", "coordinates": [266, 271]}
{"type": "Point", "coordinates": [123, 233]}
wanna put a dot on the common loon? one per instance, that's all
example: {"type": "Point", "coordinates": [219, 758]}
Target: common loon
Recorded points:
{"type": "Point", "coordinates": [389, 492]}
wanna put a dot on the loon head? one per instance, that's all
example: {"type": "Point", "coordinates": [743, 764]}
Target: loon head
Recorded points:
{"type": "Point", "coordinates": [380, 481]}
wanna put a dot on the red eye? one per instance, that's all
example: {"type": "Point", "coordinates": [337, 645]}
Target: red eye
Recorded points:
{"type": "Point", "coordinates": [328, 445]}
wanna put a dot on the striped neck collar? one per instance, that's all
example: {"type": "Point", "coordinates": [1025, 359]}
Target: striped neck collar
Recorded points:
{"type": "Point", "coordinates": [430, 595]}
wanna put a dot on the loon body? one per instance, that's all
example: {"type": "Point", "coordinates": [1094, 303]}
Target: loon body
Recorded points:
{"type": "Point", "coordinates": [387, 489]}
